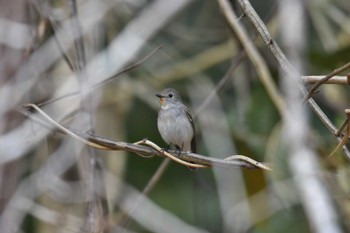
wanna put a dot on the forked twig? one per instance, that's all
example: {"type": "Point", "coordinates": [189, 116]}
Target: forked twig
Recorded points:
{"type": "Point", "coordinates": [314, 88]}
{"type": "Point", "coordinates": [346, 135]}
{"type": "Point", "coordinates": [251, 14]}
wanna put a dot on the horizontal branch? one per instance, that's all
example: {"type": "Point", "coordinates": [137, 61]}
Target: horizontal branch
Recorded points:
{"type": "Point", "coordinates": [335, 72]}
{"type": "Point", "coordinates": [311, 79]}
{"type": "Point", "coordinates": [146, 148]}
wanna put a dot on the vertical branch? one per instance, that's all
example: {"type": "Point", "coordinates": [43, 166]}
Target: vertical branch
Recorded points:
{"type": "Point", "coordinates": [94, 205]}
{"type": "Point", "coordinates": [302, 159]}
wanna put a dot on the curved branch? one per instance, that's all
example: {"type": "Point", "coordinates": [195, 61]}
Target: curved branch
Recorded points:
{"type": "Point", "coordinates": [185, 158]}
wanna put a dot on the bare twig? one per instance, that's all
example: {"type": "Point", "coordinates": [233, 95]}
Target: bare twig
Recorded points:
{"type": "Point", "coordinates": [126, 69]}
{"type": "Point", "coordinates": [64, 54]}
{"type": "Point", "coordinates": [182, 157]}
{"type": "Point", "coordinates": [191, 66]}
{"type": "Point", "coordinates": [314, 197]}
{"type": "Point", "coordinates": [314, 88]}
{"type": "Point", "coordinates": [254, 56]}
{"type": "Point", "coordinates": [248, 160]}
{"type": "Point", "coordinates": [238, 60]}
{"type": "Point", "coordinates": [130, 67]}
{"type": "Point", "coordinates": [153, 181]}
{"type": "Point", "coordinates": [346, 134]}
{"type": "Point", "coordinates": [170, 156]}
{"type": "Point", "coordinates": [311, 79]}
{"type": "Point", "coordinates": [87, 109]}
{"type": "Point", "coordinates": [284, 63]}
{"type": "Point", "coordinates": [65, 130]}
{"type": "Point", "coordinates": [341, 128]}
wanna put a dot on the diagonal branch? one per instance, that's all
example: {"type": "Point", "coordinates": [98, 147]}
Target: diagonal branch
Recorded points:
{"type": "Point", "coordinates": [257, 60]}
{"type": "Point", "coordinates": [249, 11]}
{"type": "Point", "coordinates": [346, 134]}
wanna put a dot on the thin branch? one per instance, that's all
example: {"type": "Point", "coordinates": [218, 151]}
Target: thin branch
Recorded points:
{"type": "Point", "coordinates": [93, 209]}
{"type": "Point", "coordinates": [343, 141]}
{"type": "Point", "coordinates": [239, 59]}
{"type": "Point", "coordinates": [65, 130]}
{"type": "Point", "coordinates": [65, 56]}
{"type": "Point", "coordinates": [234, 65]}
{"type": "Point", "coordinates": [170, 156]}
{"type": "Point", "coordinates": [128, 68]}
{"type": "Point", "coordinates": [249, 11]}
{"type": "Point", "coordinates": [284, 63]}
{"type": "Point", "coordinates": [125, 219]}
{"type": "Point", "coordinates": [347, 132]}
{"type": "Point", "coordinates": [314, 88]}
{"type": "Point", "coordinates": [254, 56]}
{"type": "Point", "coordinates": [185, 158]}
{"type": "Point", "coordinates": [341, 128]}
{"type": "Point", "coordinates": [311, 79]}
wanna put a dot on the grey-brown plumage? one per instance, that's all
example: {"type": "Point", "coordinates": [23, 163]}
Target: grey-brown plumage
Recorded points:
{"type": "Point", "coordinates": [175, 123]}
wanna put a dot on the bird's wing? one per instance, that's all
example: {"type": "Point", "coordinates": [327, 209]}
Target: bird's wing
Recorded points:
{"type": "Point", "coordinates": [193, 141]}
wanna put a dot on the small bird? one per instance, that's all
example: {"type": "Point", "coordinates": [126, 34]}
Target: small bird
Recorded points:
{"type": "Point", "coordinates": [175, 123]}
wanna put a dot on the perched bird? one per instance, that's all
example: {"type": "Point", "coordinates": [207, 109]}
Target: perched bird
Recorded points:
{"type": "Point", "coordinates": [175, 123]}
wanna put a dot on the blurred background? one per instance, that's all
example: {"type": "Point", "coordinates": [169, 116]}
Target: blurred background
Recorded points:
{"type": "Point", "coordinates": [72, 58]}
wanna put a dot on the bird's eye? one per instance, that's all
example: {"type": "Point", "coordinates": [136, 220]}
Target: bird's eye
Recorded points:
{"type": "Point", "coordinates": [170, 95]}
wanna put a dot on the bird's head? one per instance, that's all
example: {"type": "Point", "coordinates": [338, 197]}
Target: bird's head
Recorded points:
{"type": "Point", "coordinates": [169, 96]}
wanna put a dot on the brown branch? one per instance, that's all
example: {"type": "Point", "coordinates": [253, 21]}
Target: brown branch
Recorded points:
{"type": "Point", "coordinates": [254, 55]}
{"type": "Point", "coordinates": [185, 158]}
{"type": "Point", "coordinates": [311, 79]}
{"type": "Point", "coordinates": [249, 11]}
{"type": "Point", "coordinates": [167, 154]}
{"type": "Point", "coordinates": [341, 128]}
{"type": "Point", "coordinates": [347, 132]}
{"type": "Point", "coordinates": [314, 88]}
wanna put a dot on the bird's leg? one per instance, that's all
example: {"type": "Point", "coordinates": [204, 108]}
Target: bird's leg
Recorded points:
{"type": "Point", "coordinates": [167, 148]}
{"type": "Point", "coordinates": [179, 149]}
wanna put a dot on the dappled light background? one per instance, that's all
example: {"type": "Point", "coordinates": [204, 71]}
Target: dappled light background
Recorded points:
{"type": "Point", "coordinates": [95, 67]}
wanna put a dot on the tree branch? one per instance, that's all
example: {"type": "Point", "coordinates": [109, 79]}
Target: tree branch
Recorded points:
{"type": "Point", "coordinates": [185, 158]}
{"type": "Point", "coordinates": [285, 64]}
{"type": "Point", "coordinates": [314, 88]}
{"type": "Point", "coordinates": [253, 54]}
{"type": "Point", "coordinates": [311, 79]}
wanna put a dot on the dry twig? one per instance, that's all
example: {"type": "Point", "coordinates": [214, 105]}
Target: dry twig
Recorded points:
{"type": "Point", "coordinates": [314, 88]}
{"type": "Point", "coordinates": [285, 64]}
{"type": "Point", "coordinates": [346, 134]}
{"type": "Point", "coordinates": [311, 79]}
{"type": "Point", "coordinates": [185, 158]}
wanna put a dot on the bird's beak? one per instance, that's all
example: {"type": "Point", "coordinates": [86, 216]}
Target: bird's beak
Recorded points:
{"type": "Point", "coordinates": [161, 100]}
